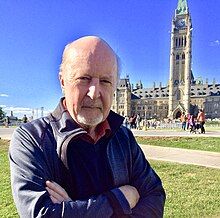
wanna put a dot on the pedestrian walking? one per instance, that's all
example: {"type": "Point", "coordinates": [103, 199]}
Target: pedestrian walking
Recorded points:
{"type": "Point", "coordinates": [201, 120]}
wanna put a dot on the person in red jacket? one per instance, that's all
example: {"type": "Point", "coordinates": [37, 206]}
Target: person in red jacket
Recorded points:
{"type": "Point", "coordinates": [201, 120]}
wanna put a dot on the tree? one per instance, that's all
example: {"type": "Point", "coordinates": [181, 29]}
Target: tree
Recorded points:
{"type": "Point", "coordinates": [2, 114]}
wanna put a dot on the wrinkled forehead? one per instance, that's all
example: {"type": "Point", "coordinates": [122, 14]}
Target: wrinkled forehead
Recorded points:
{"type": "Point", "coordinates": [89, 56]}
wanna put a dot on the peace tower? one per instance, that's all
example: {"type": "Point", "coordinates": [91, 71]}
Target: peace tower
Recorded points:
{"type": "Point", "coordinates": [180, 61]}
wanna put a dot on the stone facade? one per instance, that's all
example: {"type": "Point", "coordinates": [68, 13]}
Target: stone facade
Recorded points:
{"type": "Point", "coordinates": [183, 93]}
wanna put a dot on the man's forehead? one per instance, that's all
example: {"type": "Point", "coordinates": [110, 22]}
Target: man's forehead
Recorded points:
{"type": "Point", "coordinates": [90, 42]}
{"type": "Point", "coordinates": [89, 46]}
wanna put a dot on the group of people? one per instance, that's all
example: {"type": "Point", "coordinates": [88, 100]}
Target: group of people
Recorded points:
{"type": "Point", "coordinates": [132, 122]}
{"type": "Point", "coordinates": [7, 120]}
{"type": "Point", "coordinates": [193, 123]}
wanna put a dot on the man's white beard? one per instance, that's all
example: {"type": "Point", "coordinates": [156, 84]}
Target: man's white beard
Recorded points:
{"type": "Point", "coordinates": [94, 121]}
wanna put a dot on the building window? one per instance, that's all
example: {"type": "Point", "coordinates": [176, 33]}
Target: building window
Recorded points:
{"type": "Point", "coordinates": [183, 56]}
{"type": "Point", "coordinates": [177, 57]}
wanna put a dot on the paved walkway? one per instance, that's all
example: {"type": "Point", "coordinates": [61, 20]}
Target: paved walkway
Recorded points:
{"type": "Point", "coordinates": [184, 156]}
{"type": "Point", "coordinates": [171, 133]}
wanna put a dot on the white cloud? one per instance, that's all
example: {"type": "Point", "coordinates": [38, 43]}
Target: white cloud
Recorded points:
{"type": "Point", "coordinates": [3, 95]}
{"type": "Point", "coordinates": [215, 43]}
{"type": "Point", "coordinates": [2, 106]}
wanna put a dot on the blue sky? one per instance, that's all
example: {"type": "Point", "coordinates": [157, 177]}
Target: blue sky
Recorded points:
{"type": "Point", "coordinates": [34, 33]}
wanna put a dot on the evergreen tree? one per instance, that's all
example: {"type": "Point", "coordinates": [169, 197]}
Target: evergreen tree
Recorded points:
{"type": "Point", "coordinates": [2, 114]}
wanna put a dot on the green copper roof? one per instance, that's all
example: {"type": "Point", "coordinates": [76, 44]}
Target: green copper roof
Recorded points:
{"type": "Point", "coordinates": [182, 7]}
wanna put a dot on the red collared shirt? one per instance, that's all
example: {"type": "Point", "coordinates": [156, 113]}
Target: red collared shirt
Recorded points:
{"type": "Point", "coordinates": [103, 129]}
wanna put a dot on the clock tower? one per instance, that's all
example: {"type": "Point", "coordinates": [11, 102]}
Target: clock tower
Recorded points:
{"type": "Point", "coordinates": [180, 61]}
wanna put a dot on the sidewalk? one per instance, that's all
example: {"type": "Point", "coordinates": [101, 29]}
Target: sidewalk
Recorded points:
{"type": "Point", "coordinates": [184, 156]}
{"type": "Point", "coordinates": [173, 133]}
{"type": "Point", "coordinates": [177, 155]}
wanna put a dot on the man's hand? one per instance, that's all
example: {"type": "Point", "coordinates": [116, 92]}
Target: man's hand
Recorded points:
{"type": "Point", "coordinates": [57, 193]}
{"type": "Point", "coordinates": [131, 194]}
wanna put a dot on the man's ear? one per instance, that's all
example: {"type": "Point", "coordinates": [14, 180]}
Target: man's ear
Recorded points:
{"type": "Point", "coordinates": [61, 83]}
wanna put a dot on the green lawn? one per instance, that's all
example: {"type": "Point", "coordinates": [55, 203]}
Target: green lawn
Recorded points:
{"type": "Point", "coordinates": [7, 208]}
{"type": "Point", "coordinates": [212, 128]}
{"type": "Point", "coordinates": [191, 191]}
{"type": "Point", "coordinates": [196, 143]}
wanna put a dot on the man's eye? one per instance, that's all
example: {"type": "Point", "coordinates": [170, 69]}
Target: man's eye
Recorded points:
{"type": "Point", "coordinates": [105, 81]}
{"type": "Point", "coordinates": [84, 78]}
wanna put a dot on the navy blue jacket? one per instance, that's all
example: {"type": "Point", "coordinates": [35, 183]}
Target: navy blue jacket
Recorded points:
{"type": "Point", "coordinates": [38, 153]}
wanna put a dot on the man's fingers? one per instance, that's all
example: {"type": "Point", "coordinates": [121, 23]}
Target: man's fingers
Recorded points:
{"type": "Point", "coordinates": [56, 188]}
{"type": "Point", "coordinates": [54, 200]}
{"type": "Point", "coordinates": [55, 195]}
{"type": "Point", "coordinates": [131, 194]}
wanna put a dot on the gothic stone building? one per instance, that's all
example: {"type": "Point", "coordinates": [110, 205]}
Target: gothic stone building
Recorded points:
{"type": "Point", "coordinates": [183, 93]}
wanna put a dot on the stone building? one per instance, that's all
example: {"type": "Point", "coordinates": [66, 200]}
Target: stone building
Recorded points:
{"type": "Point", "coordinates": [182, 93]}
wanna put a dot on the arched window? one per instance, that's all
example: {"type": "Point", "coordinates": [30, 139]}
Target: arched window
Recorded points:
{"type": "Point", "coordinates": [177, 57]}
{"type": "Point", "coordinates": [176, 42]}
{"type": "Point", "coordinates": [179, 42]}
{"type": "Point", "coordinates": [183, 56]}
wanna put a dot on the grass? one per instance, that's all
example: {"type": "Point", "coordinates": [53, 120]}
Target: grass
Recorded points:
{"type": "Point", "coordinates": [196, 143]}
{"type": "Point", "coordinates": [7, 208]}
{"type": "Point", "coordinates": [212, 128]}
{"type": "Point", "coordinates": [191, 191]}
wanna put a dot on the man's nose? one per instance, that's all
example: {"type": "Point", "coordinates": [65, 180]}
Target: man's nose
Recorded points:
{"type": "Point", "coordinates": [94, 89]}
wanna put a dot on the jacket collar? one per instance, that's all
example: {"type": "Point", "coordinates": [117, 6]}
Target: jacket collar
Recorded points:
{"type": "Point", "coordinates": [65, 128]}
{"type": "Point", "coordinates": [65, 123]}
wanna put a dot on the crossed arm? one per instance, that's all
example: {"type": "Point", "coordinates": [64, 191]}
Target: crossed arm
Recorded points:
{"type": "Point", "coordinates": [58, 194]}
{"type": "Point", "coordinates": [144, 195]}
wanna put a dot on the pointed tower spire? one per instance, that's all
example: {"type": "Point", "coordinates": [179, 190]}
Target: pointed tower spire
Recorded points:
{"type": "Point", "coordinates": [182, 7]}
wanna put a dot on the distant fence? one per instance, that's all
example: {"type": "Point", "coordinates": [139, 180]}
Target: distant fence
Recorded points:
{"type": "Point", "coordinates": [14, 123]}
{"type": "Point", "coordinates": [169, 125]}
{"type": "Point", "coordinates": [150, 125]}
{"type": "Point", "coordinates": [174, 125]}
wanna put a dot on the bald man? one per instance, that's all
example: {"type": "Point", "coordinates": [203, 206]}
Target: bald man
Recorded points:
{"type": "Point", "coordinates": [80, 161]}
